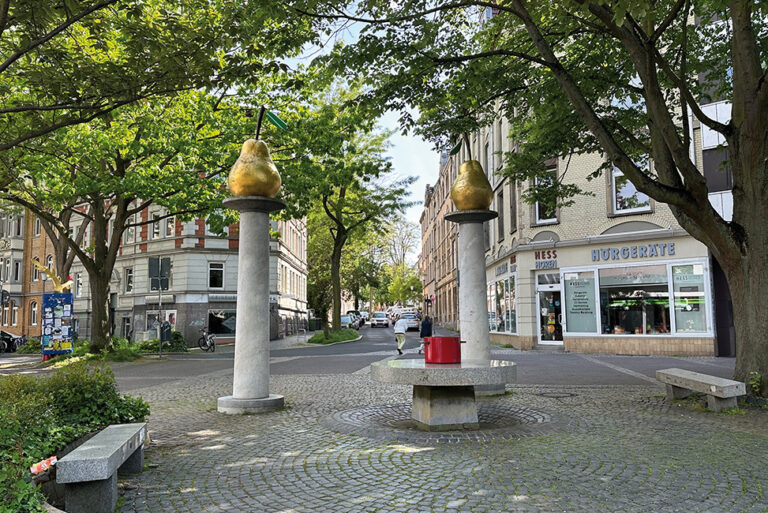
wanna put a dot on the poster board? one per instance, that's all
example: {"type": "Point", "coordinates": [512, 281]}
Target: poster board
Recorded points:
{"type": "Point", "coordinates": [57, 324]}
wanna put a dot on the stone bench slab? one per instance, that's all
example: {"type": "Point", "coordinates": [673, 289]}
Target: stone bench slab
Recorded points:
{"type": "Point", "coordinates": [101, 456]}
{"type": "Point", "coordinates": [468, 373]}
{"type": "Point", "coordinates": [704, 383]}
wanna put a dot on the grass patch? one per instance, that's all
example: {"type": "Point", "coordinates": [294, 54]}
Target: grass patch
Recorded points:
{"type": "Point", "coordinates": [334, 336]}
{"type": "Point", "coordinates": [733, 411]}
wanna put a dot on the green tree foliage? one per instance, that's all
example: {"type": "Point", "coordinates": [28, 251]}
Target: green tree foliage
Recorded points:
{"type": "Point", "coordinates": [333, 161]}
{"type": "Point", "coordinates": [67, 62]}
{"type": "Point", "coordinates": [98, 179]}
{"type": "Point", "coordinates": [405, 287]}
{"type": "Point", "coordinates": [617, 77]}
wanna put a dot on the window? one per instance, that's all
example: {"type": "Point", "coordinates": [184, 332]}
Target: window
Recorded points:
{"type": "Point", "coordinates": [502, 308]}
{"type": "Point", "coordinates": [580, 312]}
{"type": "Point", "coordinates": [7, 269]}
{"type": "Point", "coordinates": [155, 226]}
{"type": "Point", "coordinates": [14, 315]}
{"type": "Point", "coordinates": [33, 313]}
{"type": "Point", "coordinates": [635, 300]}
{"type": "Point", "coordinates": [125, 329]}
{"type": "Point", "coordinates": [78, 284]}
{"type": "Point", "coordinates": [128, 279]}
{"type": "Point", "coordinates": [500, 208]}
{"type": "Point", "coordinates": [626, 198]}
{"type": "Point", "coordinates": [49, 262]}
{"type": "Point", "coordinates": [2, 226]}
{"type": "Point", "coordinates": [215, 275]}
{"type": "Point", "coordinates": [690, 298]}
{"type": "Point", "coordinates": [222, 322]}
{"type": "Point", "coordinates": [488, 162]}
{"type": "Point", "coordinates": [18, 226]}
{"type": "Point", "coordinates": [170, 227]}
{"type": "Point", "coordinates": [35, 270]}
{"type": "Point", "coordinates": [16, 271]}
{"type": "Point", "coordinates": [5, 316]}
{"type": "Point", "coordinates": [717, 169]}
{"type": "Point", "coordinates": [130, 231]}
{"type": "Point", "coordinates": [546, 211]}
{"type": "Point", "coordinates": [37, 226]}
{"type": "Point", "coordinates": [512, 208]}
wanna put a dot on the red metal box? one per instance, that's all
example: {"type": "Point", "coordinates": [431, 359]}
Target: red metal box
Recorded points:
{"type": "Point", "coordinates": [442, 350]}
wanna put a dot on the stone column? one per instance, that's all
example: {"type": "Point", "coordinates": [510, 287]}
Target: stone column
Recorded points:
{"type": "Point", "coordinates": [250, 389]}
{"type": "Point", "coordinates": [473, 307]}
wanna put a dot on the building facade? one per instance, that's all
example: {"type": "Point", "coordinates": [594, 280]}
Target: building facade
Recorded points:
{"type": "Point", "coordinates": [613, 273]}
{"type": "Point", "coordinates": [438, 261]}
{"type": "Point", "coordinates": [202, 288]}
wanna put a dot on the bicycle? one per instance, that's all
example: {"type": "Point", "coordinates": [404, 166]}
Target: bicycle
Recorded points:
{"type": "Point", "coordinates": [208, 340]}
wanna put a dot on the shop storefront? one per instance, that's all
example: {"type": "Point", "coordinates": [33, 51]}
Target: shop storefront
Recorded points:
{"type": "Point", "coordinates": [502, 299]}
{"type": "Point", "coordinates": [652, 297]}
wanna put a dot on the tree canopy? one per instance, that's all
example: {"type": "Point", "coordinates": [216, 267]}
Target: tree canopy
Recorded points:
{"type": "Point", "coordinates": [625, 79]}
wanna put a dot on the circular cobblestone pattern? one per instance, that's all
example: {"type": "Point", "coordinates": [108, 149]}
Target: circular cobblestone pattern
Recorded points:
{"type": "Point", "coordinates": [611, 449]}
{"type": "Point", "coordinates": [393, 422]}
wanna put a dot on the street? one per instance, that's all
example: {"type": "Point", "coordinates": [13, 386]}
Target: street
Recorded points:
{"type": "Point", "coordinates": [534, 368]}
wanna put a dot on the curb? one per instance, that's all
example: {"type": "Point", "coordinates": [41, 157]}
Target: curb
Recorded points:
{"type": "Point", "coordinates": [307, 344]}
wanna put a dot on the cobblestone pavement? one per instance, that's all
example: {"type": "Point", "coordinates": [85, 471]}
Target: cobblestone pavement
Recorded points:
{"type": "Point", "coordinates": [332, 449]}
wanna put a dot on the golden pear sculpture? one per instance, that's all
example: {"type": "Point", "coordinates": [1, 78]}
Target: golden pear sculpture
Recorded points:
{"type": "Point", "coordinates": [471, 190]}
{"type": "Point", "coordinates": [254, 173]}
{"type": "Point", "coordinates": [58, 286]}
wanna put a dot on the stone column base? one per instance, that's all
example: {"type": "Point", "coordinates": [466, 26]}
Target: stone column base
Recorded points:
{"type": "Point", "coordinates": [444, 408]}
{"type": "Point", "coordinates": [91, 496]}
{"type": "Point", "coordinates": [232, 406]}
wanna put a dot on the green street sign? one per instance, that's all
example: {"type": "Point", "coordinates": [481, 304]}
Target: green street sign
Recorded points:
{"type": "Point", "coordinates": [279, 123]}
{"type": "Point", "coordinates": [455, 149]}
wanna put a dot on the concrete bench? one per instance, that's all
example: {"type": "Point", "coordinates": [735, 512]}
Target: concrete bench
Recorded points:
{"type": "Point", "coordinates": [721, 392]}
{"type": "Point", "coordinates": [89, 473]}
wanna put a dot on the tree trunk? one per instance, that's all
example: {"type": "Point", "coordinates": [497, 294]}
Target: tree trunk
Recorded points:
{"type": "Point", "coordinates": [338, 244]}
{"type": "Point", "coordinates": [357, 302]}
{"type": "Point", "coordinates": [100, 338]}
{"type": "Point", "coordinates": [748, 284]}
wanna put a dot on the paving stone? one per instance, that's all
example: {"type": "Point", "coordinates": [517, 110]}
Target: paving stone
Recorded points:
{"type": "Point", "coordinates": [343, 443]}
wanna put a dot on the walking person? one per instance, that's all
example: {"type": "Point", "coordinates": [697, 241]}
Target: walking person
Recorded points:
{"type": "Point", "coordinates": [426, 331]}
{"type": "Point", "coordinates": [401, 326]}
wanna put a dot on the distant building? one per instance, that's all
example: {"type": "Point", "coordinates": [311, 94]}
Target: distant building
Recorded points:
{"type": "Point", "coordinates": [202, 286]}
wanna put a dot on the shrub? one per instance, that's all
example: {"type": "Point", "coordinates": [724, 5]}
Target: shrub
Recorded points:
{"type": "Point", "coordinates": [334, 336]}
{"type": "Point", "coordinates": [178, 344]}
{"type": "Point", "coordinates": [39, 416]}
{"type": "Point", "coordinates": [31, 346]}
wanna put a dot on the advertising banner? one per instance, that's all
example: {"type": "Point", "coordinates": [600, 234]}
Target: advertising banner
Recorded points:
{"type": "Point", "coordinates": [57, 323]}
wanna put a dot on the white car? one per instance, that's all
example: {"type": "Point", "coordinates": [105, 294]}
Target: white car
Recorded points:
{"type": "Point", "coordinates": [411, 321]}
{"type": "Point", "coordinates": [379, 319]}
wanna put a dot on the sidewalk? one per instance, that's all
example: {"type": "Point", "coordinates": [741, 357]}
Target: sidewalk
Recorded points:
{"type": "Point", "coordinates": [343, 444]}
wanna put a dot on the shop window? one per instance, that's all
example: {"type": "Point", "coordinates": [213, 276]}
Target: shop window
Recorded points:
{"type": "Point", "coordinates": [690, 298]}
{"type": "Point", "coordinates": [215, 275]}
{"type": "Point", "coordinates": [635, 300]}
{"type": "Point", "coordinates": [626, 197]}
{"type": "Point", "coordinates": [222, 322]}
{"type": "Point", "coordinates": [502, 308]}
{"type": "Point", "coordinates": [580, 311]}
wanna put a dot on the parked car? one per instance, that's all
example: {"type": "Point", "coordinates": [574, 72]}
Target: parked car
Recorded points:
{"type": "Point", "coordinates": [356, 313]}
{"type": "Point", "coordinates": [411, 320]}
{"type": "Point", "coordinates": [379, 319]}
{"type": "Point", "coordinates": [365, 316]}
{"type": "Point", "coordinates": [10, 342]}
{"type": "Point", "coordinates": [348, 321]}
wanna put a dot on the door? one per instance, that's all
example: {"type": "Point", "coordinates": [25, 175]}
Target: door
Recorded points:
{"type": "Point", "coordinates": [550, 317]}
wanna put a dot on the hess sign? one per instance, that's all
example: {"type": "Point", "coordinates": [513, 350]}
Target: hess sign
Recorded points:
{"type": "Point", "coordinates": [545, 259]}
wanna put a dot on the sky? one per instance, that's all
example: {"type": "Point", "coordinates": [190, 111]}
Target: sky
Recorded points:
{"type": "Point", "coordinates": [412, 156]}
